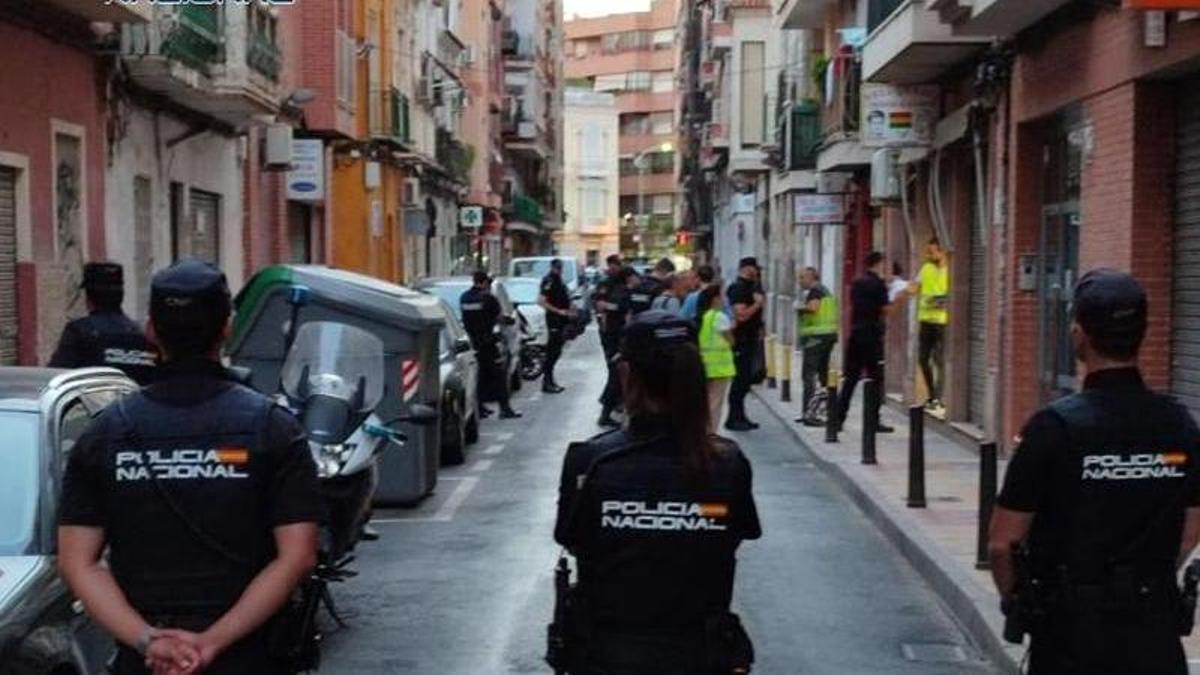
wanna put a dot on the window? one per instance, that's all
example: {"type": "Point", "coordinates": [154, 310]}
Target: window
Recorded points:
{"type": "Point", "coordinates": [635, 124]}
{"type": "Point", "coordinates": [663, 81]}
{"type": "Point", "coordinates": [592, 144]}
{"type": "Point", "coordinates": [593, 202]}
{"type": "Point", "coordinates": [662, 204]}
{"type": "Point", "coordinates": [346, 65]}
{"type": "Point", "coordinates": [662, 123]}
{"type": "Point", "coordinates": [753, 92]}
{"type": "Point", "coordinates": [68, 196]}
{"type": "Point", "coordinates": [664, 39]}
{"type": "Point", "coordinates": [614, 82]}
{"type": "Point", "coordinates": [638, 80]}
{"type": "Point", "coordinates": [580, 47]}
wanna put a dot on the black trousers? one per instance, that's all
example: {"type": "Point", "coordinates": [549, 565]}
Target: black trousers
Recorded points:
{"type": "Point", "coordinates": [745, 356]}
{"type": "Point", "coordinates": [620, 654]}
{"type": "Point", "coordinates": [930, 347]}
{"type": "Point", "coordinates": [554, 347]}
{"type": "Point", "coordinates": [492, 384]}
{"type": "Point", "coordinates": [815, 371]}
{"type": "Point", "coordinates": [864, 352]}
{"type": "Point", "coordinates": [1108, 642]}
{"type": "Point", "coordinates": [611, 398]}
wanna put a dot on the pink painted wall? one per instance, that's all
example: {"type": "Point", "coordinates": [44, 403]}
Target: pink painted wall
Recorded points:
{"type": "Point", "coordinates": [44, 80]}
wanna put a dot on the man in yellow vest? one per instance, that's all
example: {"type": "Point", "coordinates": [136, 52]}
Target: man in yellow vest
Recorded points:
{"type": "Point", "coordinates": [932, 288]}
{"type": "Point", "coordinates": [817, 328]}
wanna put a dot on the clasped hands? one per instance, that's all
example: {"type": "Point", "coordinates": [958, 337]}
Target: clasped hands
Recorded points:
{"type": "Point", "coordinates": [179, 652]}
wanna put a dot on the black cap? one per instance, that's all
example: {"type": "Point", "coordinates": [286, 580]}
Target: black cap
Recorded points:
{"type": "Point", "coordinates": [653, 333]}
{"type": "Point", "coordinates": [749, 261]}
{"type": "Point", "coordinates": [105, 277]}
{"type": "Point", "coordinates": [189, 294]}
{"type": "Point", "coordinates": [481, 277]}
{"type": "Point", "coordinates": [1109, 303]}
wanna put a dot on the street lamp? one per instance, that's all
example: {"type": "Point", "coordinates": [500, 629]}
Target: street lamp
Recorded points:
{"type": "Point", "coordinates": [639, 161]}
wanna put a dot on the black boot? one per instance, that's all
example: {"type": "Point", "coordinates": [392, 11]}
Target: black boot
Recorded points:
{"type": "Point", "coordinates": [606, 419]}
{"type": "Point", "coordinates": [509, 414]}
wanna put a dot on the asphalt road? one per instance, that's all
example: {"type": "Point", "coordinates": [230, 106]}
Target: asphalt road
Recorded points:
{"type": "Point", "coordinates": [463, 583]}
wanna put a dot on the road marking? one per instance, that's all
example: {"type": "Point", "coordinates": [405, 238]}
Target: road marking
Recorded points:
{"type": "Point", "coordinates": [504, 436]}
{"type": "Point", "coordinates": [482, 465]}
{"type": "Point", "coordinates": [535, 398]}
{"type": "Point", "coordinates": [493, 449]}
{"type": "Point", "coordinates": [448, 509]}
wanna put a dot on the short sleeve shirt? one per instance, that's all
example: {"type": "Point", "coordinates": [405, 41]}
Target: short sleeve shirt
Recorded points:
{"type": "Point", "coordinates": [868, 297]}
{"type": "Point", "coordinates": [741, 292]}
{"type": "Point", "coordinates": [555, 292]}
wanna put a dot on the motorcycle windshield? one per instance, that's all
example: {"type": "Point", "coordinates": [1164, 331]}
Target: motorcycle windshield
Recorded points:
{"type": "Point", "coordinates": [335, 360]}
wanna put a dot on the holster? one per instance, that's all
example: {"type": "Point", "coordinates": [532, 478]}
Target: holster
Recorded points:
{"type": "Point", "coordinates": [727, 645]}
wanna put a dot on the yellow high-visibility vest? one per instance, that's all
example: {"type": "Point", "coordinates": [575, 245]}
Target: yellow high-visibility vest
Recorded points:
{"type": "Point", "coordinates": [715, 350]}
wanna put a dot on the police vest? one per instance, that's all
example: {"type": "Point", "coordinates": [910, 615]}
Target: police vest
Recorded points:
{"type": "Point", "coordinates": [190, 525]}
{"type": "Point", "coordinates": [824, 321]}
{"type": "Point", "coordinates": [642, 297]}
{"type": "Point", "coordinates": [715, 350]}
{"type": "Point", "coordinates": [113, 340]}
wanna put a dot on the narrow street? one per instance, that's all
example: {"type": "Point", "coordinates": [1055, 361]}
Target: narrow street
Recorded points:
{"type": "Point", "coordinates": [463, 583]}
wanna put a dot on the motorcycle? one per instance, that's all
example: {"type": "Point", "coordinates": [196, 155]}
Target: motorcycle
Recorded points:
{"type": "Point", "coordinates": [533, 353]}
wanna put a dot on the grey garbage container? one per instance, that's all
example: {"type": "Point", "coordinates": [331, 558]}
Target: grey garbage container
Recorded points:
{"type": "Point", "coordinates": [408, 323]}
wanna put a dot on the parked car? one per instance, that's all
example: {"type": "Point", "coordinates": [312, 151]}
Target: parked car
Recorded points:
{"type": "Point", "coordinates": [537, 267]}
{"type": "Point", "coordinates": [460, 374]}
{"type": "Point", "coordinates": [43, 412]}
{"type": "Point", "coordinates": [451, 289]}
{"type": "Point", "coordinates": [524, 292]}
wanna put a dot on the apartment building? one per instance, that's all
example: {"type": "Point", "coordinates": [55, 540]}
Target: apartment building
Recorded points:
{"type": "Point", "coordinates": [633, 57]}
{"type": "Point", "coordinates": [591, 184]}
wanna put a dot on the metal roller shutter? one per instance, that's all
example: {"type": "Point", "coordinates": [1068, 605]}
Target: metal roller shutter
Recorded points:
{"type": "Point", "coordinates": [977, 335]}
{"type": "Point", "coordinates": [8, 266]}
{"type": "Point", "coordinates": [1185, 318]}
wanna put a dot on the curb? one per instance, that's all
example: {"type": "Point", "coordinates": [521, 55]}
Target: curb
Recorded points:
{"type": "Point", "coordinates": [972, 605]}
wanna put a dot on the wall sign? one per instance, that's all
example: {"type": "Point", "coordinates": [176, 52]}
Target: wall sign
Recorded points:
{"type": "Point", "coordinates": [818, 209]}
{"type": "Point", "coordinates": [306, 178]}
{"type": "Point", "coordinates": [898, 116]}
{"type": "Point", "coordinates": [470, 217]}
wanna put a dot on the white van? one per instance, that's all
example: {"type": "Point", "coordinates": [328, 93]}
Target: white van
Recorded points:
{"type": "Point", "coordinates": [539, 266]}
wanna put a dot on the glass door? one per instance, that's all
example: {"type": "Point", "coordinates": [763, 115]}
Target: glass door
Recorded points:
{"type": "Point", "coordinates": [1060, 269]}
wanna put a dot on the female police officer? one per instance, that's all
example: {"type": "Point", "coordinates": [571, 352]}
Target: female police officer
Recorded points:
{"type": "Point", "coordinates": [654, 514]}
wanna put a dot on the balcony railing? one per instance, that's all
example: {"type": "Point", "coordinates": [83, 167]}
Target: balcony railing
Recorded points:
{"type": "Point", "coordinates": [841, 115]}
{"type": "Point", "coordinates": [879, 10]}
{"type": "Point", "coordinates": [196, 37]}
{"type": "Point", "coordinates": [263, 56]}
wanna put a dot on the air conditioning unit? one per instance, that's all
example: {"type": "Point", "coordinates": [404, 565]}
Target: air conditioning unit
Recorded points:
{"type": "Point", "coordinates": [885, 176]}
{"type": "Point", "coordinates": [277, 150]}
{"type": "Point", "coordinates": [412, 192]}
{"type": "Point", "coordinates": [468, 55]}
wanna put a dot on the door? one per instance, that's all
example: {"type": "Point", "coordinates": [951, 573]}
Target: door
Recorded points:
{"type": "Point", "coordinates": [200, 237]}
{"type": "Point", "coordinates": [8, 266]}
{"type": "Point", "coordinates": [1060, 269]}
{"type": "Point", "coordinates": [977, 320]}
{"type": "Point", "coordinates": [1185, 310]}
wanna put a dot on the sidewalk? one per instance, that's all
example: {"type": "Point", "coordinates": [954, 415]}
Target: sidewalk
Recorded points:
{"type": "Point", "coordinates": [939, 540]}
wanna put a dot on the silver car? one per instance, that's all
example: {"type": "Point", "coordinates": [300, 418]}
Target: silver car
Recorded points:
{"type": "Point", "coordinates": [43, 629]}
{"type": "Point", "coordinates": [460, 376]}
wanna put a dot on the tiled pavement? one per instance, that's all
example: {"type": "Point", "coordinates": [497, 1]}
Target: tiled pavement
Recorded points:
{"type": "Point", "coordinates": [940, 540]}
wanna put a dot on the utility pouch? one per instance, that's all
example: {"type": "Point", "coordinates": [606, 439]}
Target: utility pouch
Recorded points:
{"type": "Point", "coordinates": [727, 646]}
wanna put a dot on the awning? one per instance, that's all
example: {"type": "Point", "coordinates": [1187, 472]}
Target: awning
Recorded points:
{"type": "Point", "coordinates": [522, 226]}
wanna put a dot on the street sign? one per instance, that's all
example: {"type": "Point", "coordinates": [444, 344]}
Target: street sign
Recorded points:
{"type": "Point", "coordinates": [306, 179]}
{"type": "Point", "coordinates": [470, 217]}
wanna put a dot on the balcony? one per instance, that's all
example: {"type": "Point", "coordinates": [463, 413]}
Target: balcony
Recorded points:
{"type": "Point", "coordinates": [454, 156]}
{"type": "Point", "coordinates": [651, 183]}
{"type": "Point", "coordinates": [840, 147]}
{"type": "Point", "coordinates": [909, 43]}
{"type": "Point", "coordinates": [114, 12]}
{"type": "Point", "coordinates": [184, 55]}
{"type": "Point", "coordinates": [799, 14]}
{"type": "Point", "coordinates": [522, 135]}
{"type": "Point", "coordinates": [1001, 18]}
{"type": "Point", "coordinates": [389, 116]}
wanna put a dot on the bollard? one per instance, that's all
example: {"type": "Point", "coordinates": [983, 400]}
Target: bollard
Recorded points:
{"type": "Point", "coordinates": [785, 378]}
{"type": "Point", "coordinates": [916, 457]}
{"type": "Point", "coordinates": [870, 420]}
{"type": "Point", "coordinates": [987, 498]}
{"type": "Point", "coordinates": [832, 414]}
{"type": "Point", "coordinates": [770, 359]}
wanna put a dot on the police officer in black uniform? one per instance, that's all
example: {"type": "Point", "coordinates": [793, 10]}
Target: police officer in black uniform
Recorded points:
{"type": "Point", "coordinates": [1104, 490]}
{"type": "Point", "coordinates": [556, 301]}
{"type": "Point", "coordinates": [480, 312]}
{"type": "Point", "coordinates": [864, 350]}
{"type": "Point", "coordinates": [654, 514]}
{"type": "Point", "coordinates": [105, 337]}
{"type": "Point", "coordinates": [612, 310]}
{"type": "Point", "coordinates": [651, 286]}
{"type": "Point", "coordinates": [204, 493]}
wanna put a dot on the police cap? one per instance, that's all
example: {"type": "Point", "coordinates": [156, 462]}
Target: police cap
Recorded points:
{"type": "Point", "coordinates": [481, 277]}
{"type": "Point", "coordinates": [190, 294]}
{"type": "Point", "coordinates": [103, 277]}
{"type": "Point", "coordinates": [653, 334]}
{"type": "Point", "coordinates": [748, 261]}
{"type": "Point", "coordinates": [1109, 303]}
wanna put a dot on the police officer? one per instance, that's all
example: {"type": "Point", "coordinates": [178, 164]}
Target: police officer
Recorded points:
{"type": "Point", "coordinates": [817, 326]}
{"type": "Point", "coordinates": [204, 493]}
{"type": "Point", "coordinates": [480, 312]}
{"type": "Point", "coordinates": [1104, 489]}
{"type": "Point", "coordinates": [612, 308]}
{"type": "Point", "coordinates": [654, 514]}
{"type": "Point", "coordinates": [747, 299]}
{"type": "Point", "coordinates": [556, 301]}
{"type": "Point", "coordinates": [864, 350]}
{"type": "Point", "coordinates": [105, 337]}
{"type": "Point", "coordinates": [641, 297]}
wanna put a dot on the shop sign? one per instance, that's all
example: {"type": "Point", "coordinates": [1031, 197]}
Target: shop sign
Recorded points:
{"type": "Point", "coordinates": [818, 209]}
{"type": "Point", "coordinates": [898, 116]}
{"type": "Point", "coordinates": [306, 178]}
{"type": "Point", "coordinates": [742, 202]}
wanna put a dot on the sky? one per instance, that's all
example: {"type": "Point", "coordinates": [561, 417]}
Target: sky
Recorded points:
{"type": "Point", "coordinates": [600, 7]}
